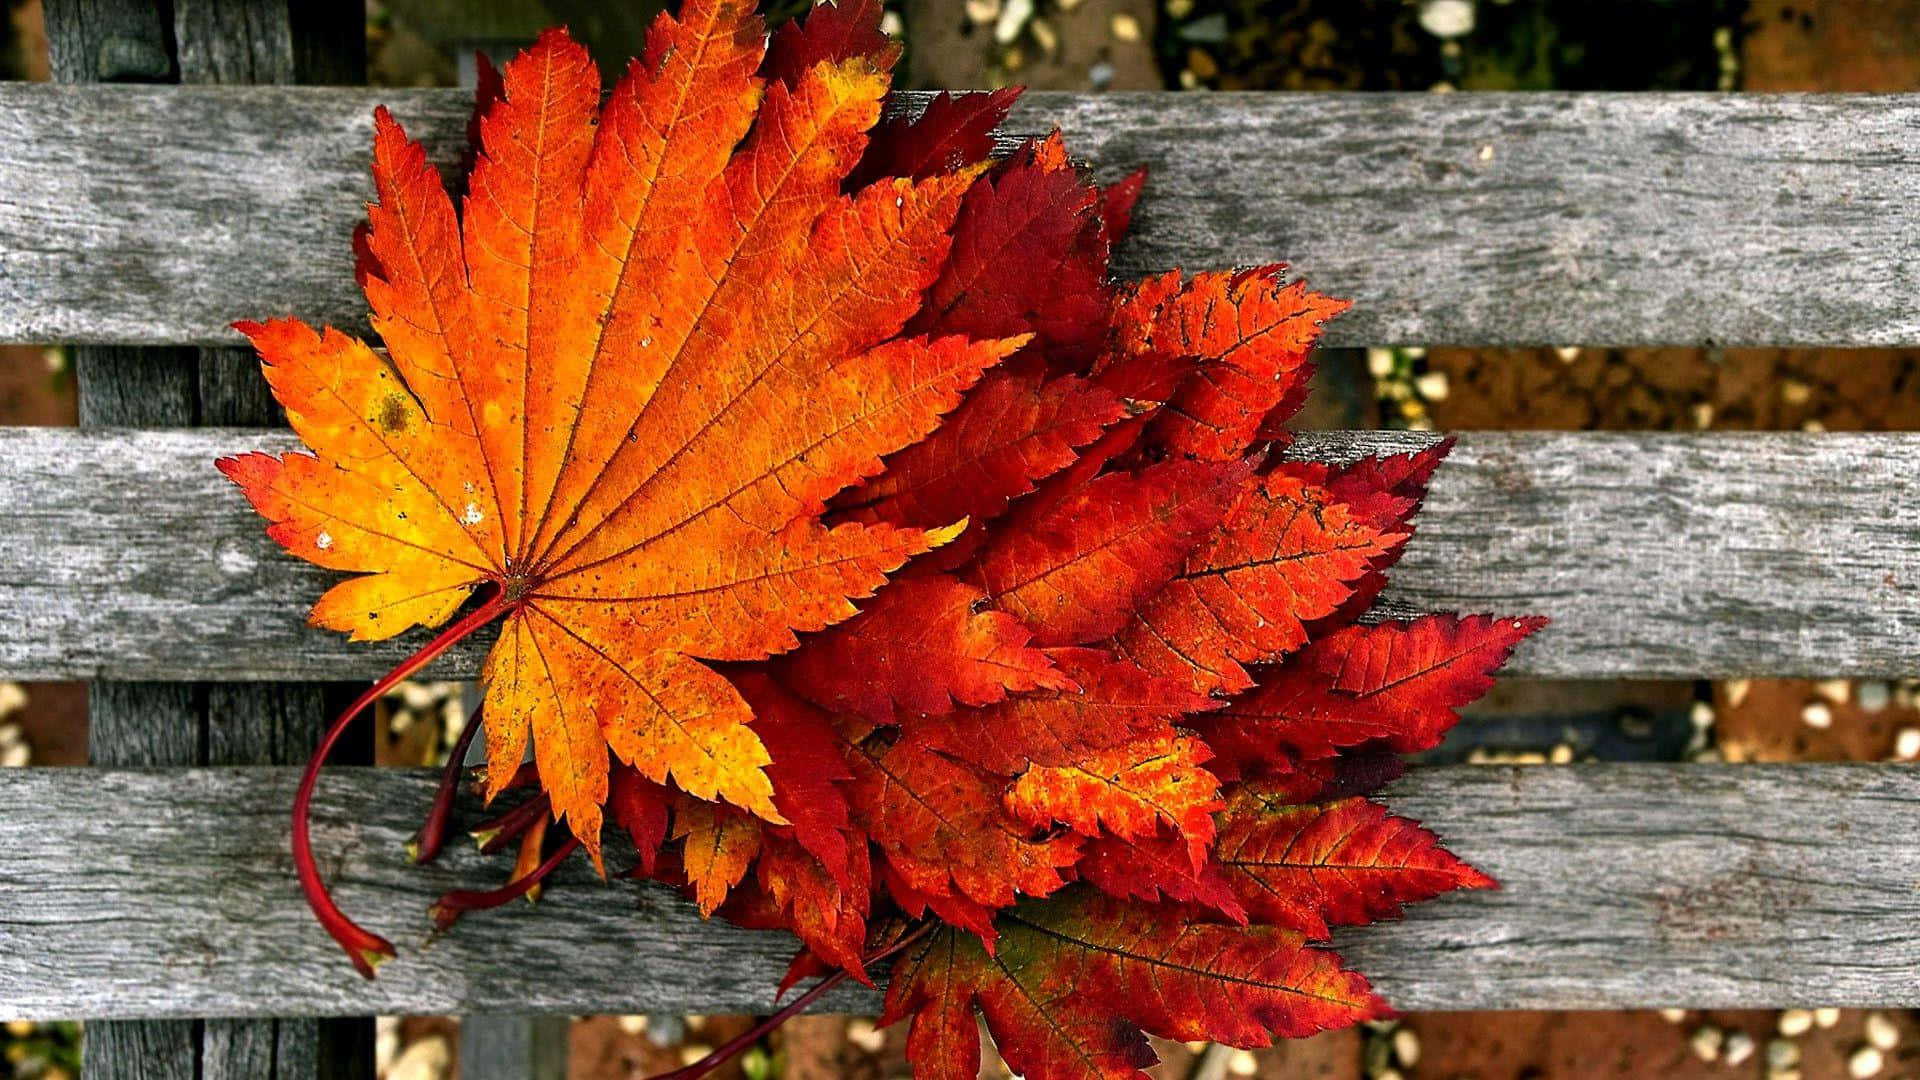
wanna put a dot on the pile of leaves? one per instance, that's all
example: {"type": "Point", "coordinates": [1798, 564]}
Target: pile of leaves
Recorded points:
{"type": "Point", "coordinates": [878, 567]}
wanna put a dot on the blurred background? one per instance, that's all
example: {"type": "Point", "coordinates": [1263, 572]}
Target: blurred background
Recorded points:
{"type": "Point", "coordinates": [1435, 46]}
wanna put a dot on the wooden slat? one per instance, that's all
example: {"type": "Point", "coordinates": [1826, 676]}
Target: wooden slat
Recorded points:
{"type": "Point", "coordinates": [149, 215]}
{"type": "Point", "coordinates": [204, 41]}
{"type": "Point", "coordinates": [170, 893]}
{"type": "Point", "coordinates": [1658, 556]}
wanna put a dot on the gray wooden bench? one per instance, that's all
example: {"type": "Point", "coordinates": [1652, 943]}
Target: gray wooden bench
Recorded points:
{"type": "Point", "coordinates": [148, 217]}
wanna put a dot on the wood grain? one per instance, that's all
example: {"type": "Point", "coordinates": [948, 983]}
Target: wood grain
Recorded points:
{"type": "Point", "coordinates": [150, 215]}
{"type": "Point", "coordinates": [169, 893]}
{"type": "Point", "coordinates": [1658, 556]}
{"type": "Point", "coordinates": [154, 723]}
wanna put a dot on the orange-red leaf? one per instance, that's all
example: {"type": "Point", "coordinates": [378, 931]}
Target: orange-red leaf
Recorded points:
{"type": "Point", "coordinates": [1242, 338]}
{"type": "Point", "coordinates": [1114, 702]}
{"type": "Point", "coordinates": [718, 843]}
{"type": "Point", "coordinates": [1117, 202]}
{"type": "Point", "coordinates": [1386, 491]}
{"type": "Point", "coordinates": [621, 387]}
{"type": "Point", "coordinates": [1034, 213]}
{"type": "Point", "coordinates": [831, 33]}
{"type": "Point", "coordinates": [922, 646]}
{"type": "Point", "coordinates": [953, 131]}
{"type": "Point", "coordinates": [807, 768]}
{"type": "Point", "coordinates": [1155, 868]}
{"type": "Point", "coordinates": [1076, 979]}
{"type": "Point", "coordinates": [641, 807]}
{"type": "Point", "coordinates": [1287, 554]}
{"type": "Point", "coordinates": [1013, 429]}
{"type": "Point", "coordinates": [1396, 682]}
{"type": "Point", "coordinates": [940, 825]}
{"type": "Point", "coordinates": [1343, 863]}
{"type": "Point", "coordinates": [1075, 571]}
{"type": "Point", "coordinates": [790, 890]}
{"type": "Point", "coordinates": [1126, 790]}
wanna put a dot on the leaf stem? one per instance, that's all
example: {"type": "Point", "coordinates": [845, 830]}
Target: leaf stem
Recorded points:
{"type": "Point", "coordinates": [499, 831]}
{"type": "Point", "coordinates": [735, 1047]}
{"type": "Point", "coordinates": [425, 845]}
{"type": "Point", "coordinates": [447, 910]}
{"type": "Point", "coordinates": [366, 949]}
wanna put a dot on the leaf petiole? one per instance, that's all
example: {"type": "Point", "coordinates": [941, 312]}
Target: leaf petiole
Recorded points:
{"type": "Point", "coordinates": [499, 831]}
{"type": "Point", "coordinates": [425, 845]}
{"type": "Point", "coordinates": [447, 910]}
{"type": "Point", "coordinates": [366, 949]}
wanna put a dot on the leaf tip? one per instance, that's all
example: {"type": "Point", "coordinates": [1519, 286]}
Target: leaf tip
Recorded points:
{"type": "Point", "coordinates": [942, 535]}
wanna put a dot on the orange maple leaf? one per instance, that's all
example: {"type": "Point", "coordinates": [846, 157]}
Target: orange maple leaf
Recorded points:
{"type": "Point", "coordinates": [620, 388]}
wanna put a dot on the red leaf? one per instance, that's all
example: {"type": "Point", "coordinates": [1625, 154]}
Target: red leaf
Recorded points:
{"type": "Point", "coordinates": [920, 647]}
{"type": "Point", "coordinates": [1286, 555]}
{"type": "Point", "coordinates": [1037, 213]}
{"type": "Point", "coordinates": [1156, 868]}
{"type": "Point", "coordinates": [954, 130]}
{"type": "Point", "coordinates": [1116, 702]}
{"type": "Point", "coordinates": [832, 32]}
{"type": "Point", "coordinates": [1074, 571]}
{"type": "Point", "coordinates": [807, 770]}
{"type": "Point", "coordinates": [1344, 863]}
{"type": "Point", "coordinates": [489, 88]}
{"type": "Point", "coordinates": [1388, 489]}
{"type": "Point", "coordinates": [1357, 772]}
{"type": "Point", "coordinates": [1237, 339]}
{"type": "Point", "coordinates": [1126, 790]}
{"type": "Point", "coordinates": [1016, 427]}
{"type": "Point", "coordinates": [1069, 969]}
{"type": "Point", "coordinates": [1116, 206]}
{"type": "Point", "coordinates": [639, 806]}
{"type": "Point", "coordinates": [940, 824]}
{"type": "Point", "coordinates": [796, 893]}
{"type": "Point", "coordinates": [1397, 682]}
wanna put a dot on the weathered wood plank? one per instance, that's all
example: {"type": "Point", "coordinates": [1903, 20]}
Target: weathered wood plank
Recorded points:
{"type": "Point", "coordinates": [170, 893]}
{"type": "Point", "coordinates": [208, 41]}
{"type": "Point", "coordinates": [1658, 556]}
{"type": "Point", "coordinates": [159, 215]}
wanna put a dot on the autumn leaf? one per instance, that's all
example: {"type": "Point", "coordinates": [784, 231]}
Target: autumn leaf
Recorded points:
{"type": "Point", "coordinates": [1074, 571]}
{"type": "Point", "coordinates": [1036, 213]}
{"type": "Point", "coordinates": [1396, 682]}
{"type": "Point", "coordinates": [1075, 981]}
{"type": "Point", "coordinates": [1343, 863]}
{"type": "Point", "coordinates": [1017, 427]}
{"type": "Point", "coordinates": [1238, 340]}
{"type": "Point", "coordinates": [1125, 791]}
{"type": "Point", "coordinates": [718, 845]}
{"type": "Point", "coordinates": [642, 808]}
{"type": "Point", "coordinates": [808, 769]}
{"type": "Point", "coordinates": [942, 828]}
{"type": "Point", "coordinates": [881, 567]}
{"type": "Point", "coordinates": [922, 647]}
{"type": "Point", "coordinates": [1287, 554]}
{"type": "Point", "coordinates": [795, 892]}
{"type": "Point", "coordinates": [1155, 868]}
{"type": "Point", "coordinates": [619, 389]}
{"type": "Point", "coordinates": [953, 131]}
{"type": "Point", "coordinates": [1111, 701]}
